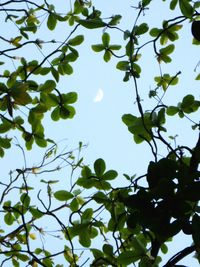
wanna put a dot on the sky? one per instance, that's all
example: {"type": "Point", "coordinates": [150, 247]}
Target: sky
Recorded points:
{"type": "Point", "coordinates": [98, 123]}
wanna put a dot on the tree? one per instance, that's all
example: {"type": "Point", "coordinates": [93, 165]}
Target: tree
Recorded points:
{"type": "Point", "coordinates": [149, 210]}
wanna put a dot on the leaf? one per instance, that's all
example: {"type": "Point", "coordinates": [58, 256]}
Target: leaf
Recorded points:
{"type": "Point", "coordinates": [48, 86]}
{"type": "Point", "coordinates": [84, 239]}
{"type": "Point", "coordinates": [129, 119]}
{"type": "Point", "coordinates": [35, 212]}
{"type": "Point", "coordinates": [76, 40]}
{"type": "Point", "coordinates": [127, 257]}
{"type": "Point", "coordinates": [25, 199]}
{"type": "Point", "coordinates": [164, 248]}
{"type": "Point", "coordinates": [23, 257]}
{"type": "Point", "coordinates": [107, 56]}
{"type": "Point", "coordinates": [63, 195]}
{"type": "Point", "coordinates": [98, 254]}
{"type": "Point", "coordinates": [19, 94]}
{"type": "Point", "coordinates": [65, 68]}
{"type": "Point", "coordinates": [108, 249]}
{"type": "Point", "coordinates": [167, 50]}
{"type": "Point", "coordinates": [87, 215]}
{"type": "Point", "coordinates": [5, 142]}
{"type": "Point", "coordinates": [109, 175]}
{"type": "Point", "coordinates": [55, 73]}
{"type": "Point", "coordinates": [97, 47]}
{"type": "Point", "coordinates": [64, 112]}
{"type": "Point", "coordinates": [100, 197]}
{"type": "Point", "coordinates": [155, 32]}
{"type": "Point", "coordinates": [69, 98]}
{"type": "Point", "coordinates": [92, 23]}
{"type": "Point", "coordinates": [172, 110]}
{"type": "Point", "coordinates": [146, 2]}
{"type": "Point", "coordinates": [9, 218]}
{"type": "Point", "coordinates": [141, 29]}
{"type": "Point", "coordinates": [115, 20]}
{"type": "Point", "coordinates": [51, 21]}
{"type": "Point", "coordinates": [114, 47]}
{"type": "Point", "coordinates": [40, 141]}
{"type": "Point", "coordinates": [99, 167]}
{"type": "Point", "coordinates": [105, 39]}
{"type": "Point", "coordinates": [197, 77]}
{"type": "Point", "coordinates": [186, 8]}
{"type": "Point", "coordinates": [173, 4]}
{"type": "Point", "coordinates": [55, 115]}
{"type": "Point", "coordinates": [123, 65]}
{"type": "Point", "coordinates": [74, 205]}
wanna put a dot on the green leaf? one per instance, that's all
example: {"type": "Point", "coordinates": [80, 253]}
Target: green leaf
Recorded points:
{"type": "Point", "coordinates": [63, 195]}
{"type": "Point", "coordinates": [5, 142]}
{"type": "Point", "coordinates": [141, 29]}
{"type": "Point", "coordinates": [108, 249]}
{"type": "Point", "coordinates": [76, 40]}
{"type": "Point", "coordinates": [109, 175]}
{"type": "Point", "coordinates": [35, 212]}
{"type": "Point", "coordinates": [15, 262]}
{"type": "Point", "coordinates": [87, 215]}
{"type": "Point", "coordinates": [51, 21]}
{"type": "Point", "coordinates": [23, 257]}
{"type": "Point", "coordinates": [114, 47]}
{"type": "Point", "coordinates": [55, 115]}
{"type": "Point", "coordinates": [19, 94]}
{"type": "Point", "coordinates": [69, 98]}
{"type": "Point", "coordinates": [155, 32]}
{"type": "Point", "coordinates": [197, 77]}
{"type": "Point", "coordinates": [48, 86]}
{"type": "Point", "coordinates": [146, 2]}
{"type": "Point", "coordinates": [98, 254]}
{"type": "Point", "coordinates": [98, 47]}
{"type": "Point", "coordinates": [55, 74]}
{"type": "Point", "coordinates": [64, 112]}
{"type": "Point", "coordinates": [100, 197]}
{"type": "Point", "coordinates": [25, 199]}
{"type": "Point", "coordinates": [115, 20]}
{"type": "Point", "coordinates": [40, 141]}
{"type": "Point", "coordinates": [186, 8]}
{"type": "Point", "coordinates": [167, 50]}
{"type": "Point", "coordinates": [65, 68]}
{"type": "Point", "coordinates": [99, 167]}
{"type": "Point", "coordinates": [74, 205]}
{"type": "Point", "coordinates": [129, 119]}
{"type": "Point", "coordinates": [9, 218]}
{"type": "Point", "coordinates": [92, 23]}
{"type": "Point", "coordinates": [84, 239]}
{"type": "Point", "coordinates": [173, 4]}
{"type": "Point", "coordinates": [105, 39]}
{"type": "Point", "coordinates": [164, 249]}
{"type": "Point", "coordinates": [123, 65]}
{"type": "Point", "coordinates": [172, 110]}
{"type": "Point", "coordinates": [107, 56]}
{"type": "Point", "coordinates": [127, 257]}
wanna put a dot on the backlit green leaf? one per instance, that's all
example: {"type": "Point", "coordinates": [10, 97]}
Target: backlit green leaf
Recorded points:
{"type": "Point", "coordinates": [63, 195]}
{"type": "Point", "coordinates": [51, 21]}
{"type": "Point", "coordinates": [76, 40]}
{"type": "Point", "coordinates": [186, 8]}
{"type": "Point", "coordinates": [92, 23]}
{"type": "Point", "coordinates": [99, 167]}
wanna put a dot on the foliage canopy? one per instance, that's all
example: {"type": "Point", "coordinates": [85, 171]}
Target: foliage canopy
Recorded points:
{"type": "Point", "coordinates": [151, 209]}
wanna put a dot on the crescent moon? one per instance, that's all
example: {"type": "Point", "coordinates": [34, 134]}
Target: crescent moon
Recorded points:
{"type": "Point", "coordinates": [99, 96]}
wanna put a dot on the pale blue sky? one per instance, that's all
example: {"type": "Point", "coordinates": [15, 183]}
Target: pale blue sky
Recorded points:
{"type": "Point", "coordinates": [99, 124]}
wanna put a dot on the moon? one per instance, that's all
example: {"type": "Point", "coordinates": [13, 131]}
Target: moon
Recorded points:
{"type": "Point", "coordinates": [99, 96]}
